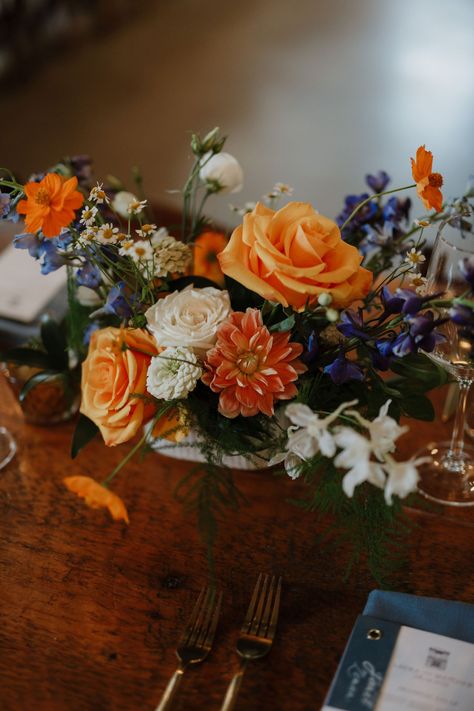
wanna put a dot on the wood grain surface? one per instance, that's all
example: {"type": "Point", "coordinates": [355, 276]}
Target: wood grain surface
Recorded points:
{"type": "Point", "coordinates": [91, 610]}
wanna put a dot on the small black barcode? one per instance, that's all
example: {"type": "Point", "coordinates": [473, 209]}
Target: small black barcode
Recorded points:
{"type": "Point", "coordinates": [437, 659]}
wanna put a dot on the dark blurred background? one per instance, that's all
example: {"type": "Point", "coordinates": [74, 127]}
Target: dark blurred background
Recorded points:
{"type": "Point", "coordinates": [314, 93]}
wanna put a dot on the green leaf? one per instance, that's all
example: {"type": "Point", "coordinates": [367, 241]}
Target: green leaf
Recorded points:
{"type": "Point", "coordinates": [35, 380]}
{"type": "Point", "coordinates": [286, 325]}
{"type": "Point", "coordinates": [54, 340]}
{"type": "Point", "coordinates": [418, 407]}
{"type": "Point", "coordinates": [85, 431]}
{"type": "Point", "coordinates": [27, 356]}
{"type": "Point", "coordinates": [417, 366]}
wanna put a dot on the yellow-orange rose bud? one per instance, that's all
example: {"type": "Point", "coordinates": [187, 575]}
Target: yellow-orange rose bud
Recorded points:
{"type": "Point", "coordinates": [292, 255]}
{"type": "Point", "coordinates": [113, 373]}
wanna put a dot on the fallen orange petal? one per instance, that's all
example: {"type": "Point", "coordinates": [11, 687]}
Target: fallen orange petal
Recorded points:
{"type": "Point", "coordinates": [97, 496]}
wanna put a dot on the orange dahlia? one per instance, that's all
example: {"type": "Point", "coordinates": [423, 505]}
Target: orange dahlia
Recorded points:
{"type": "Point", "coordinates": [50, 204]}
{"type": "Point", "coordinates": [206, 248]}
{"type": "Point", "coordinates": [428, 184]}
{"type": "Point", "coordinates": [251, 367]}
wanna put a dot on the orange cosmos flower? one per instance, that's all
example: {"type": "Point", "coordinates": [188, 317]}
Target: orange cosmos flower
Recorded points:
{"type": "Point", "coordinates": [251, 367]}
{"type": "Point", "coordinates": [50, 204]}
{"type": "Point", "coordinates": [97, 496]}
{"type": "Point", "coordinates": [428, 184]}
{"type": "Point", "coordinates": [206, 248]}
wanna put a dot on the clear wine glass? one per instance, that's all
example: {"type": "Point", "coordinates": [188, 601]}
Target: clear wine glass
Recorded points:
{"type": "Point", "coordinates": [449, 477]}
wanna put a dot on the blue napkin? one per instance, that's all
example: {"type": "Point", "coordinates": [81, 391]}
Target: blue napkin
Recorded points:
{"type": "Point", "coordinates": [446, 617]}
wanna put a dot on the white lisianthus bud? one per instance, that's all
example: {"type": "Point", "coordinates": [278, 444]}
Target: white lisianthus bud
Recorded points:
{"type": "Point", "coordinates": [223, 170]}
{"type": "Point", "coordinates": [332, 315]}
{"type": "Point", "coordinates": [87, 297]}
{"type": "Point", "coordinates": [173, 374]}
{"type": "Point", "coordinates": [122, 202]}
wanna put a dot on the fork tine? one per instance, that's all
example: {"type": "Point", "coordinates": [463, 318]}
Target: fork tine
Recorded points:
{"type": "Point", "coordinates": [276, 607]}
{"type": "Point", "coordinates": [259, 611]}
{"type": "Point", "coordinates": [201, 619]}
{"type": "Point", "coordinates": [268, 608]}
{"type": "Point", "coordinates": [253, 602]}
{"type": "Point", "coordinates": [210, 627]}
{"type": "Point", "coordinates": [192, 620]}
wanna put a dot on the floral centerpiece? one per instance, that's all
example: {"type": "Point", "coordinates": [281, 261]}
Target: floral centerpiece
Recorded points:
{"type": "Point", "coordinates": [297, 342]}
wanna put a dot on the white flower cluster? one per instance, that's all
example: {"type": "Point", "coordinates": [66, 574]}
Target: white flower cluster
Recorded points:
{"type": "Point", "coordinates": [170, 256]}
{"type": "Point", "coordinates": [173, 374]}
{"type": "Point", "coordinates": [366, 458]}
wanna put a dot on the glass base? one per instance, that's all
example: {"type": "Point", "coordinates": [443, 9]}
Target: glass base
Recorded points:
{"type": "Point", "coordinates": [447, 479]}
{"type": "Point", "coordinates": [7, 447]}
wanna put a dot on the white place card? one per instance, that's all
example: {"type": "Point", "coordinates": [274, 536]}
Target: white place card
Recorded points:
{"type": "Point", "coordinates": [428, 672]}
{"type": "Point", "coordinates": [24, 291]}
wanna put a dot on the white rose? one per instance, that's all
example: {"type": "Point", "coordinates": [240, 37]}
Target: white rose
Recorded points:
{"type": "Point", "coordinates": [223, 169]}
{"type": "Point", "coordinates": [189, 318]}
{"type": "Point", "coordinates": [122, 201]}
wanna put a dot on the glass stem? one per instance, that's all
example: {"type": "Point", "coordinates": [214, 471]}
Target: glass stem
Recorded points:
{"type": "Point", "coordinates": [457, 440]}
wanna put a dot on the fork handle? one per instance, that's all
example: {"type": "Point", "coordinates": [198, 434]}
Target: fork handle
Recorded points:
{"type": "Point", "coordinates": [171, 689]}
{"type": "Point", "coordinates": [233, 688]}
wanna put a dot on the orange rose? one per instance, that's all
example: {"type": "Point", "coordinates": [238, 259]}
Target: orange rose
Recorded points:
{"type": "Point", "coordinates": [292, 255]}
{"type": "Point", "coordinates": [114, 371]}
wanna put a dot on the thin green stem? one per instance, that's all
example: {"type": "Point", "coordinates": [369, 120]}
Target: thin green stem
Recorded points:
{"type": "Point", "coordinates": [125, 460]}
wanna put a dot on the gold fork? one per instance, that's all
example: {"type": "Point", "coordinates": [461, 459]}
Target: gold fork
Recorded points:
{"type": "Point", "coordinates": [196, 642]}
{"type": "Point", "coordinates": [258, 631]}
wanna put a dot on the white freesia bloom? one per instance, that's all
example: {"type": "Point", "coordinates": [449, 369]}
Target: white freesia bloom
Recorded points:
{"type": "Point", "coordinates": [402, 477]}
{"type": "Point", "coordinates": [189, 318]}
{"type": "Point", "coordinates": [223, 169]}
{"type": "Point", "coordinates": [384, 430]}
{"type": "Point", "coordinates": [173, 374]}
{"type": "Point", "coordinates": [355, 456]}
{"type": "Point", "coordinates": [309, 433]}
{"type": "Point", "coordinates": [122, 201]}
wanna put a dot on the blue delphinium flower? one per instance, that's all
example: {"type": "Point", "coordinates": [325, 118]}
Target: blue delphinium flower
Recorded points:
{"type": "Point", "coordinates": [118, 303]}
{"type": "Point", "coordinates": [421, 335]}
{"type": "Point", "coordinates": [342, 370]}
{"type": "Point", "coordinates": [29, 241]}
{"type": "Point", "coordinates": [362, 217]}
{"type": "Point", "coordinates": [352, 325]}
{"type": "Point", "coordinates": [93, 326]}
{"type": "Point", "coordinates": [378, 182]}
{"type": "Point", "coordinates": [51, 258]}
{"type": "Point", "coordinates": [89, 275]}
{"type": "Point", "coordinates": [311, 349]}
{"type": "Point", "coordinates": [5, 202]}
{"type": "Point", "coordinates": [466, 267]}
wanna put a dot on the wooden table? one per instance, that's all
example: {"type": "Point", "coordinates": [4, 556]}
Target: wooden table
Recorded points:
{"type": "Point", "coordinates": [91, 610]}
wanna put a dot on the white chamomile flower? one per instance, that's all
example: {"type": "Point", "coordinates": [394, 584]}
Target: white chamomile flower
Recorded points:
{"type": "Point", "coordinates": [141, 251]}
{"type": "Point", "coordinates": [173, 374]}
{"type": "Point", "coordinates": [126, 245]}
{"type": "Point", "coordinates": [97, 195]}
{"type": "Point", "coordinates": [283, 189]}
{"type": "Point", "coordinates": [246, 208]}
{"type": "Point", "coordinates": [136, 206]}
{"type": "Point", "coordinates": [107, 234]}
{"type": "Point", "coordinates": [146, 230]}
{"type": "Point", "coordinates": [421, 223]}
{"type": "Point", "coordinates": [170, 256]}
{"type": "Point", "coordinates": [414, 257]}
{"type": "Point", "coordinates": [418, 283]}
{"type": "Point", "coordinates": [88, 235]}
{"type": "Point", "coordinates": [88, 215]}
